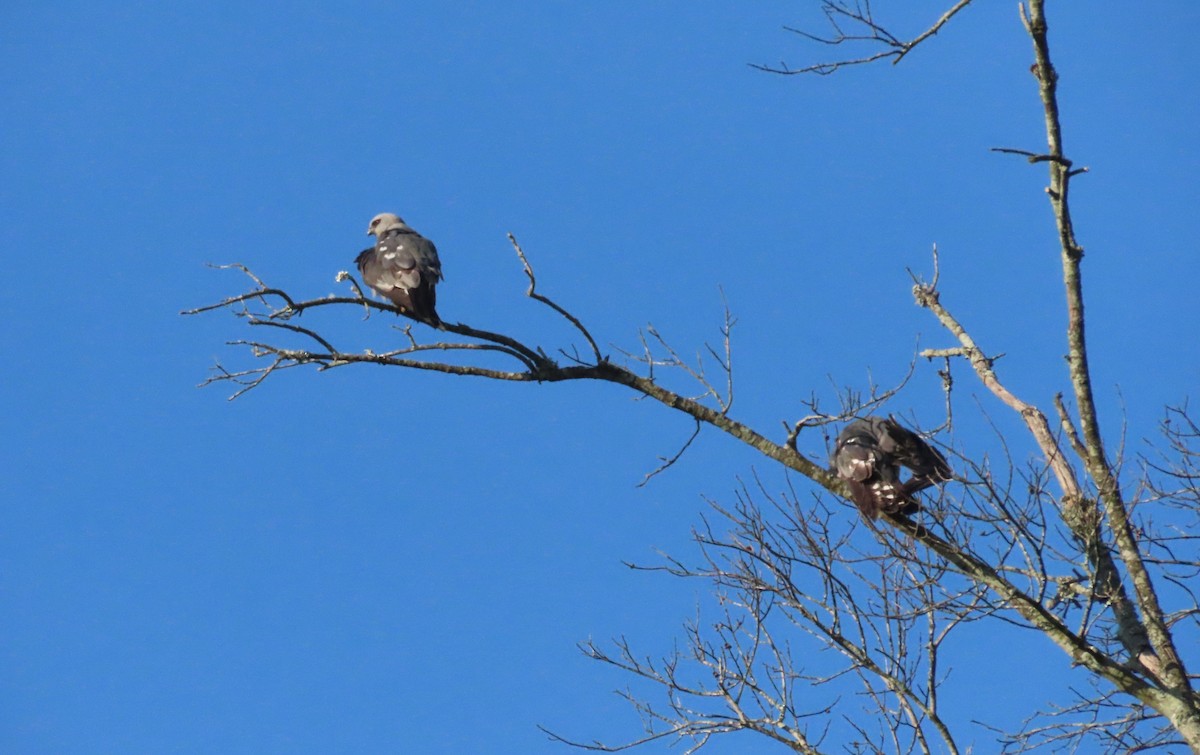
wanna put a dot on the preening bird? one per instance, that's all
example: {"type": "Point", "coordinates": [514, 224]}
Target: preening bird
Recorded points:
{"type": "Point", "coordinates": [868, 456]}
{"type": "Point", "coordinates": [403, 267]}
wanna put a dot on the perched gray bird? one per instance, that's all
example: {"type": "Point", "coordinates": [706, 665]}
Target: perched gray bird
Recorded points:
{"type": "Point", "coordinates": [868, 456]}
{"type": "Point", "coordinates": [403, 267]}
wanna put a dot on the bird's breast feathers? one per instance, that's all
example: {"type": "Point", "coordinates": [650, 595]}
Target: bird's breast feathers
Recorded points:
{"type": "Point", "coordinates": [856, 462]}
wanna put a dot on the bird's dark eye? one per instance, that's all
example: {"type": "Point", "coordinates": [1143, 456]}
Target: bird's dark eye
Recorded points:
{"type": "Point", "coordinates": [375, 222]}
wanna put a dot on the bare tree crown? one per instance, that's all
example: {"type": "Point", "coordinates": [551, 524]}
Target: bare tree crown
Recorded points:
{"type": "Point", "coordinates": [1062, 544]}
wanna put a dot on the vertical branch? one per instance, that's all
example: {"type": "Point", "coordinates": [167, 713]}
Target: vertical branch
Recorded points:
{"type": "Point", "coordinates": [1172, 671]}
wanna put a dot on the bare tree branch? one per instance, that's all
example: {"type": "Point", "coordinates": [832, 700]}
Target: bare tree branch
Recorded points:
{"type": "Point", "coordinates": [1165, 658]}
{"type": "Point", "coordinates": [859, 17]}
{"type": "Point", "coordinates": [807, 603]}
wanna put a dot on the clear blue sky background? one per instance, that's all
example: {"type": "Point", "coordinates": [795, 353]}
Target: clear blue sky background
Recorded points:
{"type": "Point", "coordinates": [379, 561]}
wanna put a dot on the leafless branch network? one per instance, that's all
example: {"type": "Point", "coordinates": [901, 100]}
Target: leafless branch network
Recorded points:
{"type": "Point", "coordinates": [819, 624]}
{"type": "Point", "coordinates": [854, 25]}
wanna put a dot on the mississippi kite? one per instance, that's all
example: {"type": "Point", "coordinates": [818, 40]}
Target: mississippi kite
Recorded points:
{"type": "Point", "coordinates": [403, 267]}
{"type": "Point", "coordinates": [868, 456]}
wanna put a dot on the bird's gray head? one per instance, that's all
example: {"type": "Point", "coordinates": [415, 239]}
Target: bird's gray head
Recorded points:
{"type": "Point", "coordinates": [384, 221]}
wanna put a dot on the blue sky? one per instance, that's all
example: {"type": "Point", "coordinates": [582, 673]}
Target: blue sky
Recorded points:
{"type": "Point", "coordinates": [371, 560]}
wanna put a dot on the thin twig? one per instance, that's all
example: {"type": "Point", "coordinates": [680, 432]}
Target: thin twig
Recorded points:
{"type": "Point", "coordinates": [533, 294]}
{"type": "Point", "coordinates": [667, 463]}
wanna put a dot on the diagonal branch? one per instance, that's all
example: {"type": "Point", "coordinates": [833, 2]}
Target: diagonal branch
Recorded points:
{"type": "Point", "coordinates": [1076, 510]}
